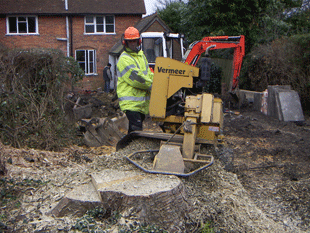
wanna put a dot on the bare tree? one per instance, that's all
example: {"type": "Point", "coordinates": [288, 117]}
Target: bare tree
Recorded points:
{"type": "Point", "coordinates": [162, 4]}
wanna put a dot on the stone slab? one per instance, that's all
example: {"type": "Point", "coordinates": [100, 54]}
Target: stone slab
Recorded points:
{"type": "Point", "coordinates": [290, 106]}
{"type": "Point", "coordinates": [272, 105]}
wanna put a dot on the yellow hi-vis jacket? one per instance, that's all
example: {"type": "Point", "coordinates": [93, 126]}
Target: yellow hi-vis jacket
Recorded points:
{"type": "Point", "coordinates": [134, 82]}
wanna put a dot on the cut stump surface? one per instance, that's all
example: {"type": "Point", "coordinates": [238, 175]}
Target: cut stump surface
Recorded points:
{"type": "Point", "coordinates": [149, 198]}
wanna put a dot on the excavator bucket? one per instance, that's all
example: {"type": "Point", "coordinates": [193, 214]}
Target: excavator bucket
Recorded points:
{"type": "Point", "coordinates": [105, 131]}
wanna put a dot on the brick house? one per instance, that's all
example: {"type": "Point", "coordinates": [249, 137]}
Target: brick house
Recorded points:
{"type": "Point", "coordinates": [83, 29]}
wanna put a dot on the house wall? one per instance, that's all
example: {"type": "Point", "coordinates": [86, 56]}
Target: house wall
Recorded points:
{"type": "Point", "coordinates": [53, 27]}
{"type": "Point", "coordinates": [102, 44]}
{"type": "Point", "coordinates": [50, 28]}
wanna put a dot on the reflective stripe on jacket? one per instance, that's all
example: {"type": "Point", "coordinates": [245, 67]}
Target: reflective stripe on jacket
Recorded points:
{"type": "Point", "coordinates": [134, 82]}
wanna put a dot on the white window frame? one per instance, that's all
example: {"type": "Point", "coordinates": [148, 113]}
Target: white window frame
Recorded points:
{"type": "Point", "coordinates": [87, 62]}
{"type": "Point", "coordinates": [19, 22]}
{"type": "Point", "coordinates": [94, 24]}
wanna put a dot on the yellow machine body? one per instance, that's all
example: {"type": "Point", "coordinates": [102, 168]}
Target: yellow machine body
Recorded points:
{"type": "Point", "coordinates": [169, 77]}
{"type": "Point", "coordinates": [201, 121]}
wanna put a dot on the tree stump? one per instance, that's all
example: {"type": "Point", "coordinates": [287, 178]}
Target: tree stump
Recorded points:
{"type": "Point", "coordinates": [77, 202]}
{"type": "Point", "coordinates": [151, 199]}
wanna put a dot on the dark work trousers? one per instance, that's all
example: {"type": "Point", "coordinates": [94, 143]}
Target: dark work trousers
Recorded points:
{"type": "Point", "coordinates": [135, 120]}
{"type": "Point", "coordinates": [106, 86]}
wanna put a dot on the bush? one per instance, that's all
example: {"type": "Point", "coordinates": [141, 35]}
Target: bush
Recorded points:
{"type": "Point", "coordinates": [285, 61]}
{"type": "Point", "coordinates": [32, 86]}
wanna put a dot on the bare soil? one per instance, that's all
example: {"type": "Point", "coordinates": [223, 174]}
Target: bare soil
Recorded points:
{"type": "Point", "coordinates": [260, 181]}
{"type": "Point", "coordinates": [272, 161]}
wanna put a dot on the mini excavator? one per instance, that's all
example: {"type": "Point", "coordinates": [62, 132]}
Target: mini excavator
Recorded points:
{"type": "Point", "coordinates": [188, 117]}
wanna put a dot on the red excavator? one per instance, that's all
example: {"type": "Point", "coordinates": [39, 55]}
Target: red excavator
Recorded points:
{"type": "Point", "coordinates": [197, 48]}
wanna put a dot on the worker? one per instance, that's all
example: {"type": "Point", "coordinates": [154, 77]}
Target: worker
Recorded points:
{"type": "Point", "coordinates": [107, 78]}
{"type": "Point", "coordinates": [134, 80]}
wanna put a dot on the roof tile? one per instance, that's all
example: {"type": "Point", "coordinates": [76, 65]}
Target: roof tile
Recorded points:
{"type": "Point", "coordinates": [74, 7]}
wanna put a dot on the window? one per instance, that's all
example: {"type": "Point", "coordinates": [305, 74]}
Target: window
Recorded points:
{"type": "Point", "coordinates": [99, 24]}
{"type": "Point", "coordinates": [87, 60]}
{"type": "Point", "coordinates": [152, 47]}
{"type": "Point", "coordinates": [22, 25]}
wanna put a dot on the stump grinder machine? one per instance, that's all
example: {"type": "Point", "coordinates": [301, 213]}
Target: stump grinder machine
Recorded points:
{"type": "Point", "coordinates": [188, 117]}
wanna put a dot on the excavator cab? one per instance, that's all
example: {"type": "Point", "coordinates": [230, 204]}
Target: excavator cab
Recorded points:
{"type": "Point", "coordinates": [162, 44]}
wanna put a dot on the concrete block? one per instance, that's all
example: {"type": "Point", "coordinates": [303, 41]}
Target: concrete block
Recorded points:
{"type": "Point", "coordinates": [246, 96]}
{"type": "Point", "coordinates": [253, 98]}
{"type": "Point", "coordinates": [257, 105]}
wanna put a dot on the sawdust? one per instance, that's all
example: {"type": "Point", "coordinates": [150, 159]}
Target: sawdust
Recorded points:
{"type": "Point", "coordinates": [259, 182]}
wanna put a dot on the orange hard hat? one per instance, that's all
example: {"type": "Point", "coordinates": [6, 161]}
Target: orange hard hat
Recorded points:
{"type": "Point", "coordinates": [131, 33]}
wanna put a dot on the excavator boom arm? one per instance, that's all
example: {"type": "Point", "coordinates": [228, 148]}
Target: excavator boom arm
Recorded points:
{"type": "Point", "coordinates": [219, 42]}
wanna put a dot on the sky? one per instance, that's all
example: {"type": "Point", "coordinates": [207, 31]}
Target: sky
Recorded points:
{"type": "Point", "coordinates": [150, 6]}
